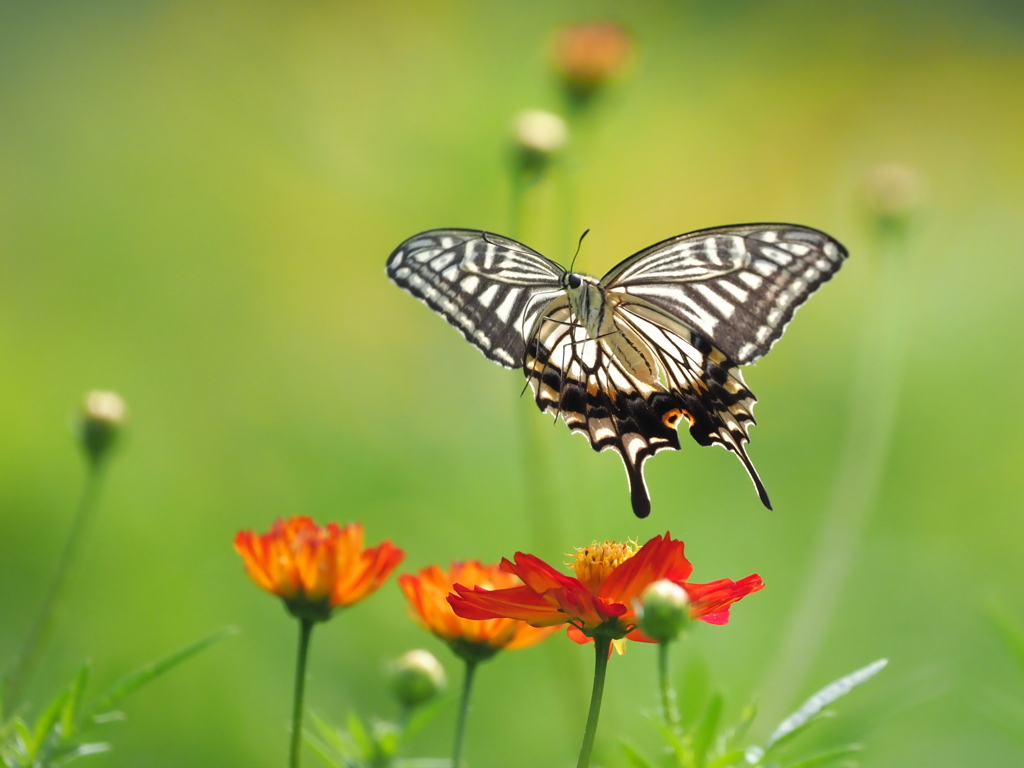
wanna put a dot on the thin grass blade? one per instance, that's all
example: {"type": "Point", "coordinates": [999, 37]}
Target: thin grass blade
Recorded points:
{"type": "Point", "coordinates": [132, 682]}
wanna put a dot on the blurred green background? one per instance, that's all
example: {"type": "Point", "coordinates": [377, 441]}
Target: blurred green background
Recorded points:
{"type": "Point", "coordinates": [196, 203]}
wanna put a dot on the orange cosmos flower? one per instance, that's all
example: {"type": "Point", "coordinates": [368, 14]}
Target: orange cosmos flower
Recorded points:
{"type": "Point", "coordinates": [313, 569]}
{"type": "Point", "coordinates": [589, 54]}
{"type": "Point", "coordinates": [603, 596]}
{"type": "Point", "coordinates": [427, 593]}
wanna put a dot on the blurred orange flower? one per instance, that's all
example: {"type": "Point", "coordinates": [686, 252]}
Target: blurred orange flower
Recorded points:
{"type": "Point", "coordinates": [313, 569]}
{"type": "Point", "coordinates": [588, 54]}
{"type": "Point", "coordinates": [603, 597]}
{"type": "Point", "coordinates": [427, 593]}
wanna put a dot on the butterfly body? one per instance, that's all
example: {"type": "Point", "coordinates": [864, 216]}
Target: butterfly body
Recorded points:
{"type": "Point", "coordinates": [653, 344]}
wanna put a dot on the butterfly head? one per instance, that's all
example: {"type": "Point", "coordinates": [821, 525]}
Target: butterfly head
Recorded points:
{"type": "Point", "coordinates": [572, 280]}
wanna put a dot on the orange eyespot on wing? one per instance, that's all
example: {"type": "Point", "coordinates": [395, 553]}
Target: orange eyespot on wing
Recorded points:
{"type": "Point", "coordinates": [671, 418]}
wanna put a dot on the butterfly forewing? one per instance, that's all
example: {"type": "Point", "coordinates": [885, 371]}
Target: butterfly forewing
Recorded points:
{"type": "Point", "coordinates": [492, 289]}
{"type": "Point", "coordinates": [738, 286]}
{"type": "Point", "coordinates": [657, 342]}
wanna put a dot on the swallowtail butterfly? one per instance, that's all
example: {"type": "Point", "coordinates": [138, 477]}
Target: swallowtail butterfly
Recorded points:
{"type": "Point", "coordinates": [653, 344]}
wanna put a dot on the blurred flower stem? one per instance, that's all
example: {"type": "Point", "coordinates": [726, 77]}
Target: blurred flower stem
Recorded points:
{"type": "Point", "coordinates": [472, 641]}
{"type": "Point", "coordinates": [537, 142]}
{"type": "Point", "coordinates": [602, 649]}
{"type": "Point", "coordinates": [538, 139]}
{"type": "Point", "coordinates": [669, 704]}
{"type": "Point", "coordinates": [664, 614]}
{"type": "Point", "coordinates": [305, 633]}
{"type": "Point", "coordinates": [98, 427]}
{"type": "Point", "coordinates": [891, 197]}
{"type": "Point", "coordinates": [460, 727]}
{"type": "Point", "coordinates": [39, 636]}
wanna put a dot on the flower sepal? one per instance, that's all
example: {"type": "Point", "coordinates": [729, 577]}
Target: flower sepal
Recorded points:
{"type": "Point", "coordinates": [472, 652]}
{"type": "Point", "coordinates": [312, 611]}
{"type": "Point", "coordinates": [612, 629]}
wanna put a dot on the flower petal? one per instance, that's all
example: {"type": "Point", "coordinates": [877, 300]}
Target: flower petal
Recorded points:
{"type": "Point", "coordinates": [710, 602]}
{"type": "Point", "coordinates": [315, 569]}
{"type": "Point", "coordinates": [520, 603]}
{"type": "Point", "coordinates": [660, 558]}
{"type": "Point", "coordinates": [427, 593]}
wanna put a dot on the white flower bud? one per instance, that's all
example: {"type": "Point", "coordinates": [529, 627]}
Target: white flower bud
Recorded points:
{"type": "Point", "coordinates": [99, 423]}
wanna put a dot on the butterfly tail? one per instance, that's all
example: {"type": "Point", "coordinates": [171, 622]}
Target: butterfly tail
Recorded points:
{"type": "Point", "coordinates": [741, 454]}
{"type": "Point", "coordinates": [638, 495]}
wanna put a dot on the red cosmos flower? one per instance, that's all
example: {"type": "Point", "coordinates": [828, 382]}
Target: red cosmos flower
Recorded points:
{"type": "Point", "coordinates": [314, 569]}
{"type": "Point", "coordinates": [427, 594]}
{"type": "Point", "coordinates": [602, 598]}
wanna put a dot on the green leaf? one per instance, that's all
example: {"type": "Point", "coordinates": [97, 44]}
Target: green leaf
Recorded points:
{"type": "Point", "coordinates": [386, 739]}
{"type": "Point", "coordinates": [827, 757]}
{"type": "Point", "coordinates": [329, 743]}
{"type": "Point", "coordinates": [320, 750]}
{"type": "Point", "coordinates": [46, 733]}
{"type": "Point", "coordinates": [693, 691]}
{"type": "Point", "coordinates": [132, 682]}
{"type": "Point", "coordinates": [423, 715]}
{"type": "Point", "coordinates": [825, 714]}
{"type": "Point", "coordinates": [704, 733]}
{"type": "Point", "coordinates": [731, 758]}
{"type": "Point", "coordinates": [816, 703]}
{"type": "Point", "coordinates": [678, 744]}
{"type": "Point", "coordinates": [326, 733]}
{"type": "Point", "coordinates": [634, 758]}
{"type": "Point", "coordinates": [69, 712]}
{"type": "Point", "coordinates": [82, 750]}
{"type": "Point", "coordinates": [24, 732]}
{"type": "Point", "coordinates": [360, 736]}
{"type": "Point", "coordinates": [739, 731]}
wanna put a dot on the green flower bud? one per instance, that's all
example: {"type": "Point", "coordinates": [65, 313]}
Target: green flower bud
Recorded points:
{"type": "Point", "coordinates": [99, 423]}
{"type": "Point", "coordinates": [664, 610]}
{"type": "Point", "coordinates": [416, 678]}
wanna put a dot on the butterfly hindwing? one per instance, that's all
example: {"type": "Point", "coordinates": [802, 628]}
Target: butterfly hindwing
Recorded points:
{"type": "Point", "coordinates": [492, 289]}
{"type": "Point", "coordinates": [582, 381]}
{"type": "Point", "coordinates": [636, 410]}
{"type": "Point", "coordinates": [714, 398]}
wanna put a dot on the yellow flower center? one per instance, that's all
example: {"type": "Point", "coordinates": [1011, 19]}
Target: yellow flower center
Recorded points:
{"type": "Point", "coordinates": [593, 564]}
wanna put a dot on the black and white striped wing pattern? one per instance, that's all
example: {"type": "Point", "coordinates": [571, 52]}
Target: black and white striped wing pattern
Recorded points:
{"type": "Point", "coordinates": [737, 286]}
{"type": "Point", "coordinates": [633, 409]}
{"type": "Point", "coordinates": [492, 289]}
{"type": "Point", "coordinates": [658, 341]}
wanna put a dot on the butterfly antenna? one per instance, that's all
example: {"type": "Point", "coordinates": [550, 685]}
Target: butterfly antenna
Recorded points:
{"type": "Point", "coordinates": [579, 246]}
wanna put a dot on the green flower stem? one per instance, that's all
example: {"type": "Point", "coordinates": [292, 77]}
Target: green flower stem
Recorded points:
{"type": "Point", "coordinates": [534, 443]}
{"type": "Point", "coordinates": [536, 470]}
{"type": "Point", "coordinates": [873, 409]}
{"type": "Point", "coordinates": [305, 632]}
{"type": "Point", "coordinates": [460, 726]}
{"type": "Point", "coordinates": [39, 635]}
{"type": "Point", "coordinates": [669, 704]}
{"type": "Point", "coordinates": [601, 647]}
